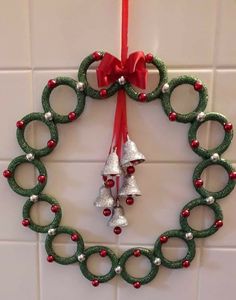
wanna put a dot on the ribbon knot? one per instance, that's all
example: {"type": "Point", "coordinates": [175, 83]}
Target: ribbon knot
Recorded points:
{"type": "Point", "coordinates": [133, 69]}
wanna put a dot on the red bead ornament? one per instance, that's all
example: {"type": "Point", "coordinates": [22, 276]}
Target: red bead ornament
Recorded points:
{"type": "Point", "coordinates": [74, 237]}
{"type": "Point", "coordinates": [52, 83]}
{"type": "Point", "coordinates": [163, 239]}
{"type": "Point", "coordinates": [50, 258]}
{"type": "Point", "coordinates": [117, 230]}
{"type": "Point", "coordinates": [72, 116]}
{"type": "Point", "coordinates": [95, 282]}
{"type": "Point", "coordinates": [198, 183]}
{"type": "Point", "coordinates": [103, 253]}
{"type": "Point", "coordinates": [232, 175]}
{"type": "Point", "coordinates": [97, 55]}
{"type": "Point", "coordinates": [106, 212]}
{"type": "Point", "coordinates": [137, 253]}
{"type": "Point", "coordinates": [7, 173]}
{"type": "Point", "coordinates": [142, 97]}
{"type": "Point", "coordinates": [198, 86]}
{"type": "Point", "coordinates": [185, 213]}
{"type": "Point", "coordinates": [20, 124]}
{"type": "Point", "coordinates": [172, 116]}
{"type": "Point", "coordinates": [228, 127]}
{"type": "Point", "coordinates": [51, 144]}
{"type": "Point", "coordinates": [41, 178]}
{"type": "Point", "coordinates": [25, 222]}
{"type": "Point", "coordinates": [103, 93]}
{"type": "Point", "coordinates": [195, 144]}
{"type": "Point", "coordinates": [130, 201]}
{"type": "Point", "coordinates": [109, 183]}
{"type": "Point", "coordinates": [149, 58]}
{"type": "Point", "coordinates": [55, 208]}
{"type": "Point", "coordinates": [218, 224]}
{"type": "Point", "coordinates": [130, 170]}
{"type": "Point", "coordinates": [186, 263]}
{"type": "Point", "coordinates": [137, 284]}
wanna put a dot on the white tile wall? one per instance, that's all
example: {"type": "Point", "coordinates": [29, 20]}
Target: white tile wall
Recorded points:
{"type": "Point", "coordinates": [43, 39]}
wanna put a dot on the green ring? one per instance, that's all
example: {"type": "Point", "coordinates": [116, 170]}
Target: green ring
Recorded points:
{"type": "Point", "coordinates": [220, 149]}
{"type": "Point", "coordinates": [206, 232]}
{"type": "Point", "coordinates": [14, 185]}
{"type": "Point", "coordinates": [38, 228]}
{"type": "Point", "coordinates": [21, 138]}
{"type": "Point", "coordinates": [82, 77]}
{"type": "Point", "coordinates": [58, 118]}
{"type": "Point", "coordinates": [159, 64]}
{"type": "Point", "coordinates": [60, 259]}
{"type": "Point", "coordinates": [222, 193]}
{"type": "Point", "coordinates": [166, 102]}
{"type": "Point", "coordinates": [101, 278]}
{"type": "Point", "coordinates": [178, 263]}
{"type": "Point", "coordinates": [143, 280]}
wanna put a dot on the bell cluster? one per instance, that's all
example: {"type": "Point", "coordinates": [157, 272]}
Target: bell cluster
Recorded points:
{"type": "Point", "coordinates": [124, 169]}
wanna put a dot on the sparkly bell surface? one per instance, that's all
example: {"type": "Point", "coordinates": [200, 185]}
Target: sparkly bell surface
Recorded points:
{"type": "Point", "coordinates": [112, 165]}
{"type": "Point", "coordinates": [104, 198]}
{"type": "Point", "coordinates": [131, 154]}
{"type": "Point", "coordinates": [118, 218]}
{"type": "Point", "coordinates": [129, 187]}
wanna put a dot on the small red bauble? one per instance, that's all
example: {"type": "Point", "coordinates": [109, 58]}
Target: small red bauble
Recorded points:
{"type": "Point", "coordinates": [74, 237]}
{"type": "Point", "coordinates": [137, 253]}
{"type": "Point", "coordinates": [55, 208]}
{"type": "Point", "coordinates": [50, 258]}
{"type": "Point", "coordinates": [218, 223]}
{"type": "Point", "coordinates": [106, 212]}
{"type": "Point", "coordinates": [25, 222]}
{"type": "Point", "coordinates": [149, 58]}
{"type": "Point", "coordinates": [103, 253]}
{"type": "Point", "coordinates": [109, 183]}
{"type": "Point", "coordinates": [232, 175]}
{"type": "Point", "coordinates": [51, 144]}
{"type": "Point", "coordinates": [185, 213]}
{"type": "Point", "coordinates": [20, 124]}
{"type": "Point", "coordinates": [72, 116]}
{"type": "Point", "coordinates": [228, 127]}
{"type": "Point", "coordinates": [117, 230]}
{"type": "Point", "coordinates": [195, 144]}
{"type": "Point", "coordinates": [103, 93]}
{"type": "Point", "coordinates": [142, 97]}
{"type": "Point", "coordinates": [137, 284]}
{"type": "Point", "coordinates": [130, 201]}
{"type": "Point", "coordinates": [41, 178]}
{"type": "Point", "coordinates": [7, 173]}
{"type": "Point", "coordinates": [97, 55]}
{"type": "Point", "coordinates": [186, 263]}
{"type": "Point", "coordinates": [198, 86]}
{"type": "Point", "coordinates": [198, 183]}
{"type": "Point", "coordinates": [172, 116]}
{"type": "Point", "coordinates": [95, 282]}
{"type": "Point", "coordinates": [130, 170]}
{"type": "Point", "coordinates": [52, 83]}
{"type": "Point", "coordinates": [163, 239]}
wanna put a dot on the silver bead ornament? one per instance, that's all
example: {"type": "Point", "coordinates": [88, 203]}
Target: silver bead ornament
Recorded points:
{"type": "Point", "coordinates": [34, 198]}
{"type": "Point", "coordinates": [189, 236]}
{"type": "Point", "coordinates": [52, 231]}
{"type": "Point", "coordinates": [201, 117]}
{"type": "Point", "coordinates": [215, 157]}
{"type": "Point", "coordinates": [80, 86]}
{"type": "Point", "coordinates": [48, 116]}
{"type": "Point", "coordinates": [210, 200]}
{"type": "Point", "coordinates": [157, 261]}
{"type": "Point", "coordinates": [118, 269]}
{"type": "Point", "coordinates": [81, 257]}
{"type": "Point", "coordinates": [165, 88]}
{"type": "Point", "coordinates": [122, 80]}
{"type": "Point", "coordinates": [30, 156]}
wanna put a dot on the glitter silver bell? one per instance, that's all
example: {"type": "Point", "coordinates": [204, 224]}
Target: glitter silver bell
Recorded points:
{"type": "Point", "coordinates": [131, 154]}
{"type": "Point", "coordinates": [118, 218]}
{"type": "Point", "coordinates": [129, 187]}
{"type": "Point", "coordinates": [104, 198]}
{"type": "Point", "coordinates": [112, 165]}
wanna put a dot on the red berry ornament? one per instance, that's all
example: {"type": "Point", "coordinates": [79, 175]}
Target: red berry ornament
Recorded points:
{"type": "Point", "coordinates": [106, 212]}
{"type": "Point", "coordinates": [103, 93]}
{"type": "Point", "coordinates": [130, 170]}
{"type": "Point", "coordinates": [186, 263]}
{"type": "Point", "coordinates": [198, 183]}
{"type": "Point", "coordinates": [228, 127]}
{"type": "Point", "coordinates": [142, 97]}
{"type": "Point", "coordinates": [163, 239]}
{"type": "Point", "coordinates": [149, 58]}
{"type": "Point", "coordinates": [72, 116]}
{"type": "Point", "coordinates": [198, 86]}
{"type": "Point", "coordinates": [55, 208]}
{"type": "Point", "coordinates": [51, 144]}
{"type": "Point", "coordinates": [103, 253]}
{"type": "Point", "coordinates": [137, 253]}
{"type": "Point", "coordinates": [26, 222]}
{"type": "Point", "coordinates": [109, 183]}
{"type": "Point", "coordinates": [218, 224]}
{"type": "Point", "coordinates": [195, 144]}
{"type": "Point", "coordinates": [232, 175]}
{"type": "Point", "coordinates": [20, 124]}
{"type": "Point", "coordinates": [97, 55]}
{"type": "Point", "coordinates": [130, 201]}
{"type": "Point", "coordinates": [74, 237]}
{"type": "Point", "coordinates": [95, 282]}
{"type": "Point", "coordinates": [185, 213]}
{"type": "Point", "coordinates": [172, 116]}
{"type": "Point", "coordinates": [50, 258]}
{"type": "Point", "coordinates": [52, 83]}
{"type": "Point", "coordinates": [117, 230]}
{"type": "Point", "coordinates": [137, 284]}
{"type": "Point", "coordinates": [41, 178]}
{"type": "Point", "coordinates": [7, 173]}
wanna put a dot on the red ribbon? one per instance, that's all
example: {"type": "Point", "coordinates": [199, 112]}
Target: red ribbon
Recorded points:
{"type": "Point", "coordinates": [133, 69]}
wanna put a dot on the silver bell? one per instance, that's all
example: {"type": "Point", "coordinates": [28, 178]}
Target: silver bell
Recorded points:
{"type": "Point", "coordinates": [131, 154]}
{"type": "Point", "coordinates": [104, 198]}
{"type": "Point", "coordinates": [112, 165]}
{"type": "Point", "coordinates": [129, 187]}
{"type": "Point", "coordinates": [118, 218]}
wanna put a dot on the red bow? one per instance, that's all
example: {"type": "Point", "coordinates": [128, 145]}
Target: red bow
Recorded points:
{"type": "Point", "coordinates": [134, 70]}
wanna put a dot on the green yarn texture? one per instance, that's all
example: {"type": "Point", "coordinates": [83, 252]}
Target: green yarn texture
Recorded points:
{"type": "Point", "coordinates": [51, 118]}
